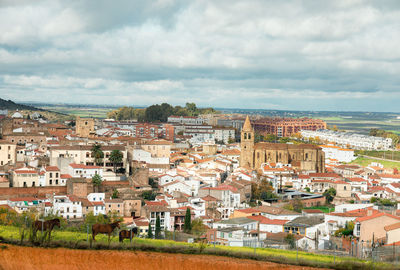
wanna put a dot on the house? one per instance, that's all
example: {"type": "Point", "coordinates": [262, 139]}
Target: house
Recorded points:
{"type": "Point", "coordinates": [86, 171]}
{"type": "Point", "coordinates": [310, 226]}
{"type": "Point", "coordinates": [372, 226]}
{"type": "Point", "coordinates": [69, 207]}
{"type": "Point", "coordinates": [392, 233]}
{"type": "Point", "coordinates": [245, 223]}
{"type": "Point", "coordinates": [114, 206]}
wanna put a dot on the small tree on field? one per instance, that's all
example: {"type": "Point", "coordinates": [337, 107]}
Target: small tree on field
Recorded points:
{"type": "Point", "coordinates": [158, 228]}
{"type": "Point", "coordinates": [188, 222]}
{"type": "Point", "coordinates": [149, 231]}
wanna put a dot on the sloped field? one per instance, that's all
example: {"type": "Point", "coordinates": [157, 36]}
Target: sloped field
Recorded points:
{"type": "Point", "coordinates": [19, 258]}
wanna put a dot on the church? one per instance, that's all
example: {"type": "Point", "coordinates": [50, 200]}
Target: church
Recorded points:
{"type": "Point", "coordinates": [302, 157]}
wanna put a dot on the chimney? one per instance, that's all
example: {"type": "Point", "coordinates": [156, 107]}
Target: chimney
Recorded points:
{"type": "Point", "coordinates": [369, 212]}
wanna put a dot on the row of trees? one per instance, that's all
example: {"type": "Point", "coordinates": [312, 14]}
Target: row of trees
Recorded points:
{"type": "Point", "coordinates": [158, 113]}
{"type": "Point", "coordinates": [116, 156]}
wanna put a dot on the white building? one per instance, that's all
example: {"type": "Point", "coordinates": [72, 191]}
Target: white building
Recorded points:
{"type": "Point", "coordinates": [69, 207]}
{"type": "Point", "coordinates": [349, 140]}
{"type": "Point", "coordinates": [337, 153]}
{"type": "Point", "coordinates": [81, 170]}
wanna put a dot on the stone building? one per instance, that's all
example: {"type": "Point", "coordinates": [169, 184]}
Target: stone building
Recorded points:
{"type": "Point", "coordinates": [84, 126]}
{"type": "Point", "coordinates": [303, 157]}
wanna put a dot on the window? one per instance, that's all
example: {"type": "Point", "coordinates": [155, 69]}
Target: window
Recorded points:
{"type": "Point", "coordinates": [51, 182]}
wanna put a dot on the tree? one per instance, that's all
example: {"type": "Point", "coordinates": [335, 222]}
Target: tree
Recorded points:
{"type": "Point", "coordinates": [96, 181]}
{"type": "Point", "coordinates": [291, 241]}
{"type": "Point", "coordinates": [307, 189]}
{"type": "Point", "coordinates": [97, 153]}
{"type": "Point", "coordinates": [149, 232]}
{"type": "Point", "coordinates": [188, 223]}
{"type": "Point", "coordinates": [115, 194]}
{"type": "Point", "coordinates": [297, 205]}
{"type": "Point", "coordinates": [116, 158]}
{"type": "Point", "coordinates": [149, 195]}
{"type": "Point", "coordinates": [158, 228]}
{"type": "Point", "coordinates": [198, 227]}
{"type": "Point", "coordinates": [329, 194]}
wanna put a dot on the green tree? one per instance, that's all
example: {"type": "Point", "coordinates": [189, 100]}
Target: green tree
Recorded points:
{"type": "Point", "coordinates": [307, 189]}
{"type": "Point", "coordinates": [115, 194]}
{"type": "Point", "coordinates": [96, 181]}
{"type": "Point", "coordinates": [329, 194]}
{"type": "Point", "coordinates": [149, 232]}
{"type": "Point", "coordinates": [149, 195]}
{"type": "Point", "coordinates": [158, 228]}
{"type": "Point", "coordinates": [291, 241]}
{"type": "Point", "coordinates": [116, 158]}
{"type": "Point", "coordinates": [97, 153]}
{"type": "Point", "coordinates": [188, 224]}
{"type": "Point", "coordinates": [198, 227]}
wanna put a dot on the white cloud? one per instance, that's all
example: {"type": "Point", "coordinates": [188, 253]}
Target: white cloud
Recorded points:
{"type": "Point", "coordinates": [212, 52]}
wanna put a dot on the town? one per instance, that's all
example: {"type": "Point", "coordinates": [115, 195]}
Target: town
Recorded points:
{"type": "Point", "coordinates": [214, 177]}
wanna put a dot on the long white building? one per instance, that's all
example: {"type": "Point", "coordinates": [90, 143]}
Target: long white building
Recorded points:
{"type": "Point", "coordinates": [349, 140]}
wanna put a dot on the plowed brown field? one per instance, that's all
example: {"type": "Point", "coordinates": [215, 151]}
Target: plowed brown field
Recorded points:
{"type": "Point", "coordinates": [19, 258]}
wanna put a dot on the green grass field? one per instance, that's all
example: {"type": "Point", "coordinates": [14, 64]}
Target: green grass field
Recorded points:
{"type": "Point", "coordinates": [82, 112]}
{"type": "Point", "coordinates": [364, 161]}
{"type": "Point", "coordinates": [324, 209]}
{"type": "Point", "coordinates": [10, 232]}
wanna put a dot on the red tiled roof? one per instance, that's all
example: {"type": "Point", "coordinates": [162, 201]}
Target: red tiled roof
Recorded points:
{"type": "Point", "coordinates": [65, 176]}
{"type": "Point", "coordinates": [392, 227]}
{"type": "Point", "coordinates": [380, 214]}
{"type": "Point", "coordinates": [52, 168]}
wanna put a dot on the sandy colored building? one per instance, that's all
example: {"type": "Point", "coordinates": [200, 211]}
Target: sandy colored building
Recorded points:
{"type": "Point", "coordinates": [305, 157]}
{"type": "Point", "coordinates": [25, 177]}
{"type": "Point", "coordinates": [84, 126]}
{"type": "Point", "coordinates": [392, 233]}
{"type": "Point", "coordinates": [8, 153]}
{"type": "Point", "coordinates": [158, 148]}
{"type": "Point", "coordinates": [373, 226]}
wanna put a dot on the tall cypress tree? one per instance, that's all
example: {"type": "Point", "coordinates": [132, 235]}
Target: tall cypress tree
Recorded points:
{"type": "Point", "coordinates": [149, 232]}
{"type": "Point", "coordinates": [158, 228]}
{"type": "Point", "coordinates": [188, 221]}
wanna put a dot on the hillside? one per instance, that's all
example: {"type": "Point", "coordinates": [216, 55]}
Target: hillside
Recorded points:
{"type": "Point", "coordinates": [11, 105]}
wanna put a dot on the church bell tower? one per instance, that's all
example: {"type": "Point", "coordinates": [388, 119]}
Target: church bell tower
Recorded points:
{"type": "Point", "coordinates": [247, 145]}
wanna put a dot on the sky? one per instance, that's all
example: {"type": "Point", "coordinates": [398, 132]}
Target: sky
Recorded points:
{"type": "Point", "coordinates": [288, 55]}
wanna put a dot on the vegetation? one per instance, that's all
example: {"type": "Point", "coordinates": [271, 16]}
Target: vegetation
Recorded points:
{"type": "Point", "coordinates": [262, 191]}
{"type": "Point", "coordinates": [385, 134]}
{"type": "Point", "coordinates": [198, 227]}
{"type": "Point", "coordinates": [149, 231]}
{"type": "Point", "coordinates": [384, 202]}
{"type": "Point", "coordinates": [77, 240]}
{"type": "Point", "coordinates": [291, 241]}
{"type": "Point", "coordinates": [188, 222]}
{"type": "Point", "coordinates": [365, 161]}
{"type": "Point", "coordinates": [329, 194]}
{"type": "Point", "coordinates": [323, 208]}
{"type": "Point", "coordinates": [116, 158]}
{"type": "Point", "coordinates": [393, 155]}
{"type": "Point", "coordinates": [153, 182]}
{"type": "Point", "coordinates": [148, 195]}
{"type": "Point", "coordinates": [158, 228]}
{"type": "Point", "coordinates": [97, 153]}
{"type": "Point", "coordinates": [115, 194]}
{"type": "Point", "coordinates": [295, 205]}
{"type": "Point", "coordinates": [346, 231]}
{"type": "Point", "coordinates": [96, 181]}
{"type": "Point", "coordinates": [157, 113]}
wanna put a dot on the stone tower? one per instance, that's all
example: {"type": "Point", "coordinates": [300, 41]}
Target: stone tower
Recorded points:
{"type": "Point", "coordinates": [247, 145]}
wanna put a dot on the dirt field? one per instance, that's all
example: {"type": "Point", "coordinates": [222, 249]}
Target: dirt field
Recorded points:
{"type": "Point", "coordinates": [19, 258]}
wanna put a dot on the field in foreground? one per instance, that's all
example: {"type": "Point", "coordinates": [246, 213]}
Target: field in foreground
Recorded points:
{"type": "Point", "coordinates": [15, 257]}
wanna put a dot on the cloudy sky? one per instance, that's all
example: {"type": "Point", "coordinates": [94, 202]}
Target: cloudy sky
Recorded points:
{"type": "Point", "coordinates": [304, 55]}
